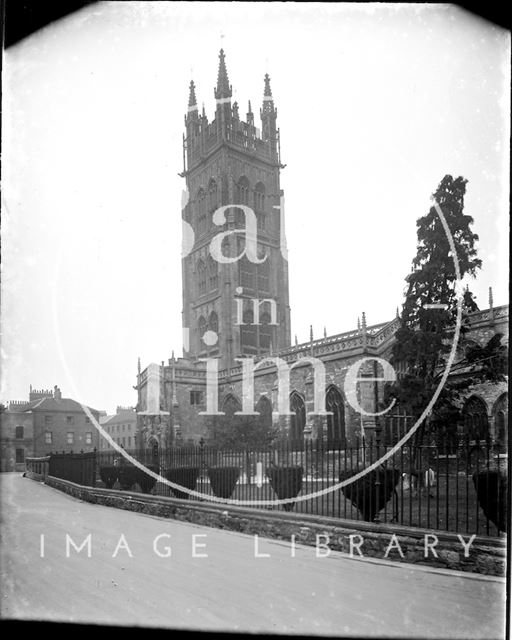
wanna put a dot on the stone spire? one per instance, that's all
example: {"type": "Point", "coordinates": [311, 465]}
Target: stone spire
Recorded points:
{"type": "Point", "coordinates": [491, 301]}
{"type": "Point", "coordinates": [268, 100]}
{"type": "Point", "coordinates": [325, 332]}
{"type": "Point", "coordinates": [192, 100]}
{"type": "Point", "coordinates": [363, 322]}
{"type": "Point", "coordinates": [223, 90]}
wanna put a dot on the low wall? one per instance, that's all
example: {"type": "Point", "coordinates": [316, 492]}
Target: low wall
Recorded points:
{"type": "Point", "coordinates": [484, 555]}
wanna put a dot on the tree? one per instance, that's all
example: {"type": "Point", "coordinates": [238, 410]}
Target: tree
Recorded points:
{"type": "Point", "coordinates": [233, 431]}
{"type": "Point", "coordinates": [424, 338]}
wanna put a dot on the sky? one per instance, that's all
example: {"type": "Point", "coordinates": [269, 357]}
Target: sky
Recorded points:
{"type": "Point", "coordinates": [376, 103]}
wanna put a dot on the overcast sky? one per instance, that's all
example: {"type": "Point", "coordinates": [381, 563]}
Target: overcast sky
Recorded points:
{"type": "Point", "coordinates": [376, 103]}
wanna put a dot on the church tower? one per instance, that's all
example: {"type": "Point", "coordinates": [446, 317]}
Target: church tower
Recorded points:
{"type": "Point", "coordinates": [238, 306]}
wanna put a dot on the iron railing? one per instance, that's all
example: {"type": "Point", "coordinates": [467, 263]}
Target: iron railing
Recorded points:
{"type": "Point", "coordinates": [462, 491]}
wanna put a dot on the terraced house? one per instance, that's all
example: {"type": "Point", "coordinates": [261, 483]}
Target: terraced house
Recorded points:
{"type": "Point", "coordinates": [50, 423]}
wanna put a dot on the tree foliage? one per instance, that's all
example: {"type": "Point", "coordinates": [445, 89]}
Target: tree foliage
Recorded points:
{"type": "Point", "coordinates": [425, 336]}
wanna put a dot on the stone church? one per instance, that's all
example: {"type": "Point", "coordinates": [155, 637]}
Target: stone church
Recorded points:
{"type": "Point", "coordinates": [238, 307]}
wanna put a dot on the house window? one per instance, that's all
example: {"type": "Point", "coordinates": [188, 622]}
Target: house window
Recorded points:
{"type": "Point", "coordinates": [48, 419]}
{"type": "Point", "coordinates": [88, 437]}
{"type": "Point", "coordinates": [48, 437]}
{"type": "Point", "coordinates": [69, 420]}
{"type": "Point", "coordinates": [70, 437]}
{"type": "Point", "coordinates": [129, 441]}
{"type": "Point", "coordinates": [87, 420]}
{"type": "Point", "coordinates": [20, 456]}
{"type": "Point", "coordinates": [124, 441]}
{"type": "Point", "coordinates": [19, 433]}
{"type": "Point", "coordinates": [195, 397]}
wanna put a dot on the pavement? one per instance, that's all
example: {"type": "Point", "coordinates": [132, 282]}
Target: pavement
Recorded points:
{"type": "Point", "coordinates": [144, 571]}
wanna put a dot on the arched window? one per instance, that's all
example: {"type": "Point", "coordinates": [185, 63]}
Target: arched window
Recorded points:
{"type": "Point", "coordinates": [201, 276]}
{"type": "Point", "coordinates": [242, 191]}
{"type": "Point", "coordinates": [201, 211]}
{"type": "Point", "coordinates": [213, 196]}
{"type": "Point", "coordinates": [259, 204]}
{"type": "Point", "coordinates": [213, 322]}
{"type": "Point", "coordinates": [246, 273]}
{"type": "Point", "coordinates": [201, 328]}
{"type": "Point", "coordinates": [501, 422]}
{"type": "Point", "coordinates": [263, 270]}
{"type": "Point", "coordinates": [213, 273]}
{"type": "Point", "coordinates": [336, 438]}
{"type": "Point", "coordinates": [297, 419]}
{"type": "Point", "coordinates": [476, 422]}
{"type": "Point", "coordinates": [265, 331]}
{"type": "Point", "coordinates": [259, 197]}
{"type": "Point", "coordinates": [248, 332]}
{"type": "Point", "coordinates": [264, 408]}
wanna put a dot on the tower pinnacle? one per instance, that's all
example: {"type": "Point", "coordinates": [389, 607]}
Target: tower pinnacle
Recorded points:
{"type": "Point", "coordinates": [223, 89]}
{"type": "Point", "coordinates": [192, 101]}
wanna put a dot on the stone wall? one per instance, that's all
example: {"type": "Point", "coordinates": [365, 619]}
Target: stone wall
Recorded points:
{"type": "Point", "coordinates": [403, 544]}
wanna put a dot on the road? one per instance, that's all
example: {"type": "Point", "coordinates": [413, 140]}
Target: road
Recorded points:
{"type": "Point", "coordinates": [229, 590]}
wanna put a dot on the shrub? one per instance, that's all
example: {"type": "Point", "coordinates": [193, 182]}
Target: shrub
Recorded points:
{"type": "Point", "coordinates": [145, 481]}
{"type": "Point", "coordinates": [223, 480]}
{"type": "Point", "coordinates": [184, 476]}
{"type": "Point", "coordinates": [286, 482]}
{"type": "Point", "coordinates": [127, 476]}
{"type": "Point", "coordinates": [491, 490]}
{"type": "Point", "coordinates": [370, 493]}
{"type": "Point", "coordinates": [109, 475]}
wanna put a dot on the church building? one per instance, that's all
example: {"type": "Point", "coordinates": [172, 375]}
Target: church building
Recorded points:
{"type": "Point", "coordinates": [238, 307]}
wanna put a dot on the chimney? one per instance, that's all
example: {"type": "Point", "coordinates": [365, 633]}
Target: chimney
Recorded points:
{"type": "Point", "coordinates": [56, 393]}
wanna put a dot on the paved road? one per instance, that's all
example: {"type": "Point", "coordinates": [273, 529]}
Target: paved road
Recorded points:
{"type": "Point", "coordinates": [229, 590]}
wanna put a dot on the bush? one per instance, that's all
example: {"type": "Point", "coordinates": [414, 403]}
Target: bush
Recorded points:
{"type": "Point", "coordinates": [127, 476]}
{"type": "Point", "coordinates": [491, 490]}
{"type": "Point", "coordinates": [370, 493]}
{"type": "Point", "coordinates": [109, 475]}
{"type": "Point", "coordinates": [145, 481]}
{"type": "Point", "coordinates": [184, 476]}
{"type": "Point", "coordinates": [223, 480]}
{"type": "Point", "coordinates": [286, 482]}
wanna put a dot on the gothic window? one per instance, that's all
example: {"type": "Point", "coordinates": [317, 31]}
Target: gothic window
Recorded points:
{"type": "Point", "coordinates": [242, 191]}
{"type": "Point", "coordinates": [213, 322]}
{"type": "Point", "coordinates": [264, 408]}
{"type": "Point", "coordinates": [501, 422]}
{"type": "Point", "coordinates": [265, 331]}
{"type": "Point", "coordinates": [201, 276]}
{"type": "Point", "coordinates": [201, 327]}
{"type": "Point", "coordinates": [248, 330]}
{"type": "Point", "coordinates": [246, 272]}
{"type": "Point", "coordinates": [213, 196]}
{"type": "Point", "coordinates": [336, 421]}
{"type": "Point", "coordinates": [259, 197]}
{"type": "Point", "coordinates": [201, 211]}
{"type": "Point", "coordinates": [213, 273]}
{"type": "Point", "coordinates": [476, 422]}
{"type": "Point", "coordinates": [259, 205]}
{"type": "Point", "coordinates": [297, 419]}
{"type": "Point", "coordinates": [263, 270]}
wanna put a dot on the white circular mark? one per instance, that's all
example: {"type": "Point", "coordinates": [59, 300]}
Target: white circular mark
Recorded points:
{"type": "Point", "coordinates": [210, 338]}
{"type": "Point", "coordinates": [187, 238]}
{"type": "Point", "coordinates": [239, 290]}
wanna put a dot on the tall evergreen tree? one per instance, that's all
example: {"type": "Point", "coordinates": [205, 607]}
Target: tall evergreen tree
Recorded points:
{"type": "Point", "coordinates": [425, 335]}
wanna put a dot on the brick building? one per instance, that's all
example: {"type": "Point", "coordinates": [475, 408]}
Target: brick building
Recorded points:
{"type": "Point", "coordinates": [241, 308]}
{"type": "Point", "coordinates": [50, 423]}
